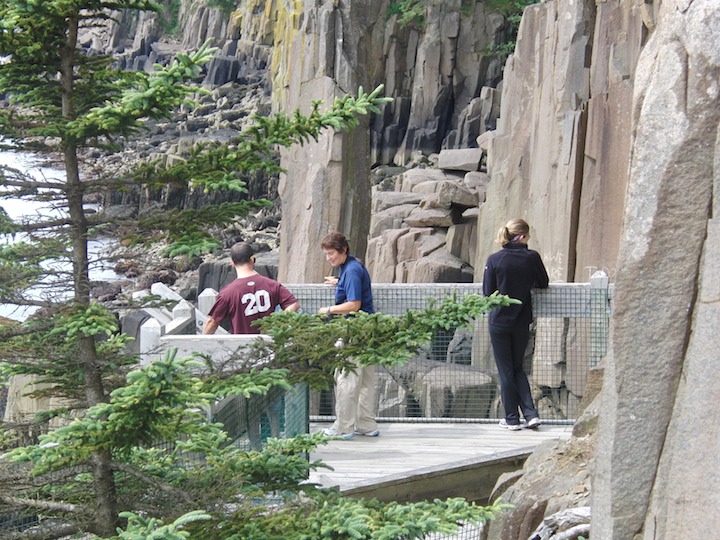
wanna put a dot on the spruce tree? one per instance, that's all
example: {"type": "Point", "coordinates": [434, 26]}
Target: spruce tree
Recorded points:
{"type": "Point", "coordinates": [102, 468]}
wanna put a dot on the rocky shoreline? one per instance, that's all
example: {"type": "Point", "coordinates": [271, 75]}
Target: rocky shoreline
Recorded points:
{"type": "Point", "coordinates": [219, 115]}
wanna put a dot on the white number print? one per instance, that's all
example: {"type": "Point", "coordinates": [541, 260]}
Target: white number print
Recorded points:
{"type": "Point", "coordinates": [257, 302]}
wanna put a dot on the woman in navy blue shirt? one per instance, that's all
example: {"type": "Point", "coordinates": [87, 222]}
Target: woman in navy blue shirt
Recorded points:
{"type": "Point", "coordinates": [354, 391]}
{"type": "Point", "coordinates": [514, 271]}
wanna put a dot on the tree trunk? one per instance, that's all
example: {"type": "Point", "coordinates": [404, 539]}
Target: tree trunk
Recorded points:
{"type": "Point", "coordinates": [104, 481]}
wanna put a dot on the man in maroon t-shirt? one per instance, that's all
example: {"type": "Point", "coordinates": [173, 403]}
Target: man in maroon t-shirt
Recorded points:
{"type": "Point", "coordinates": [248, 298]}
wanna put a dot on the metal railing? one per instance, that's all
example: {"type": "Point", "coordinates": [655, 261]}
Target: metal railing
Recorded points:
{"type": "Point", "coordinates": [454, 379]}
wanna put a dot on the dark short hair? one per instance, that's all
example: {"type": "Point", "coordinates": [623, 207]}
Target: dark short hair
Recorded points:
{"type": "Point", "coordinates": [241, 252]}
{"type": "Point", "coordinates": [337, 241]}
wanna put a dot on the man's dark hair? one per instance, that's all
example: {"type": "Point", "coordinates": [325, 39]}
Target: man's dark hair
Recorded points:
{"type": "Point", "coordinates": [241, 253]}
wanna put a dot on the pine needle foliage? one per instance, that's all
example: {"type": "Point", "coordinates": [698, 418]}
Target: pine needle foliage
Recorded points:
{"type": "Point", "coordinates": [306, 344]}
{"type": "Point", "coordinates": [178, 475]}
{"type": "Point", "coordinates": [61, 101]}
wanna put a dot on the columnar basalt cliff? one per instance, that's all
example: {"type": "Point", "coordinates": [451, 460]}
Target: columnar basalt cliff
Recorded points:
{"type": "Point", "coordinates": [326, 48]}
{"type": "Point", "coordinates": [656, 470]}
{"type": "Point", "coordinates": [559, 154]}
{"type": "Point", "coordinates": [652, 140]}
{"type": "Point", "coordinates": [603, 134]}
{"type": "Point", "coordinates": [323, 51]}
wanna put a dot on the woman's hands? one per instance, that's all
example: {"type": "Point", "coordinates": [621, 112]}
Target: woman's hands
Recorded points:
{"type": "Point", "coordinates": [329, 280]}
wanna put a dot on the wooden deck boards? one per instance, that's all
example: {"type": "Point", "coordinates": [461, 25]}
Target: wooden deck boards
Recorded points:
{"type": "Point", "coordinates": [406, 450]}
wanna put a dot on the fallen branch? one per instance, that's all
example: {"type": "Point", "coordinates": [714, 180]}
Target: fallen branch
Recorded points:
{"type": "Point", "coordinates": [43, 505]}
{"type": "Point", "coordinates": [573, 532]}
{"type": "Point", "coordinates": [44, 532]}
{"type": "Point", "coordinates": [162, 486]}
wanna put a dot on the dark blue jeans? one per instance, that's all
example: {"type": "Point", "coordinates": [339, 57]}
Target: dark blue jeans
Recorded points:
{"type": "Point", "coordinates": [509, 348]}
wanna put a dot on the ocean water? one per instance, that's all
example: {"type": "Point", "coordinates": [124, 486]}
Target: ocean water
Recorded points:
{"type": "Point", "coordinates": [22, 208]}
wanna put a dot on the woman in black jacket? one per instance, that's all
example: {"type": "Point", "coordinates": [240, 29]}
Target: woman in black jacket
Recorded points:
{"type": "Point", "coordinates": [513, 271]}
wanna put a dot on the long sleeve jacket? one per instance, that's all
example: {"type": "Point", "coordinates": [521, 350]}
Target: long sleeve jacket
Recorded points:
{"type": "Point", "coordinates": [514, 271]}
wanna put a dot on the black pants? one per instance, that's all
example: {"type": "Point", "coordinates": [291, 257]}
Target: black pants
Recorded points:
{"type": "Point", "coordinates": [509, 348]}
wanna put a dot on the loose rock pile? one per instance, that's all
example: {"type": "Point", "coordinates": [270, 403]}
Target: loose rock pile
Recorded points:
{"type": "Point", "coordinates": [424, 219]}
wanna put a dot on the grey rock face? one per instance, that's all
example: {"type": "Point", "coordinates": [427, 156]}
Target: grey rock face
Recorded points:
{"type": "Point", "coordinates": [467, 159]}
{"type": "Point", "coordinates": [657, 467]}
{"type": "Point", "coordinates": [536, 152]}
{"type": "Point", "coordinates": [427, 239]}
{"type": "Point", "coordinates": [433, 76]}
{"type": "Point", "coordinates": [327, 186]}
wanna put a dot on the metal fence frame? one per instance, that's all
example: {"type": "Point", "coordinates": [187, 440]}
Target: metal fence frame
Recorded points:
{"type": "Point", "coordinates": [571, 318]}
{"type": "Point", "coordinates": [591, 303]}
{"type": "Point", "coordinates": [574, 317]}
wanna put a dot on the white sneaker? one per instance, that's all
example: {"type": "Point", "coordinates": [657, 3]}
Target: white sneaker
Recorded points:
{"type": "Point", "coordinates": [510, 427]}
{"type": "Point", "coordinates": [533, 423]}
{"type": "Point", "coordinates": [373, 433]}
{"type": "Point", "coordinates": [331, 432]}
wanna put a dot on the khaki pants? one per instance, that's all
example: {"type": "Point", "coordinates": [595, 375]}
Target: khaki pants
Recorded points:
{"type": "Point", "coordinates": [355, 400]}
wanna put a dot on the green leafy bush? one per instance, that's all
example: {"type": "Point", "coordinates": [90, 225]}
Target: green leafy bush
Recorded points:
{"type": "Point", "coordinates": [512, 10]}
{"type": "Point", "coordinates": [226, 5]}
{"type": "Point", "coordinates": [410, 12]}
{"type": "Point", "coordinates": [170, 17]}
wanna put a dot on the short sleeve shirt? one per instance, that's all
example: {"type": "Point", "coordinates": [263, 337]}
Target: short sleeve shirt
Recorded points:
{"type": "Point", "coordinates": [354, 284]}
{"type": "Point", "coordinates": [248, 299]}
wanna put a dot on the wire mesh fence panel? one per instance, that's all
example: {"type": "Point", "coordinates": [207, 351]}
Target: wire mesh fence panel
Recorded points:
{"type": "Point", "coordinates": [13, 523]}
{"type": "Point", "coordinates": [454, 378]}
{"type": "Point", "coordinates": [250, 421]}
{"type": "Point", "coordinates": [466, 532]}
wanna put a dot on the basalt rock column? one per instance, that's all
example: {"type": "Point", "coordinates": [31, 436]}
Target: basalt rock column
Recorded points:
{"type": "Point", "coordinates": [656, 466]}
{"type": "Point", "coordinates": [324, 49]}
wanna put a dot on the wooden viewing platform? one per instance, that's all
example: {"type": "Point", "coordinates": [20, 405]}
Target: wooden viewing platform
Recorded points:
{"type": "Point", "coordinates": [410, 462]}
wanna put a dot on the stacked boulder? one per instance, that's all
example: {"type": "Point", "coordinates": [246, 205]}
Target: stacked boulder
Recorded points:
{"type": "Point", "coordinates": [424, 220]}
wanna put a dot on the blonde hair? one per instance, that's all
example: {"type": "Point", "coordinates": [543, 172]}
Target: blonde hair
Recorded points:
{"type": "Point", "coordinates": [512, 230]}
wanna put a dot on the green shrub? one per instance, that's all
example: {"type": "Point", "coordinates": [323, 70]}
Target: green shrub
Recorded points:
{"type": "Point", "coordinates": [170, 17]}
{"type": "Point", "coordinates": [226, 5]}
{"type": "Point", "coordinates": [410, 12]}
{"type": "Point", "coordinates": [512, 10]}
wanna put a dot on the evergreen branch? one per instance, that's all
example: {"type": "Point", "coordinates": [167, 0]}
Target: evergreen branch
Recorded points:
{"type": "Point", "coordinates": [153, 97]}
{"type": "Point", "coordinates": [283, 130]}
{"type": "Point", "coordinates": [152, 481]}
{"type": "Point", "coordinates": [305, 343]}
{"type": "Point", "coordinates": [11, 177]}
{"type": "Point", "coordinates": [141, 527]}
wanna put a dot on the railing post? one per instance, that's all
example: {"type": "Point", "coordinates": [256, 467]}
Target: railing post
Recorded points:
{"type": "Point", "coordinates": [599, 317]}
{"type": "Point", "coordinates": [150, 333]}
{"type": "Point", "coordinates": [183, 319]}
{"type": "Point", "coordinates": [206, 300]}
{"type": "Point", "coordinates": [183, 310]}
